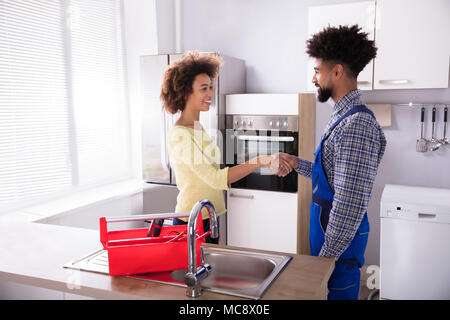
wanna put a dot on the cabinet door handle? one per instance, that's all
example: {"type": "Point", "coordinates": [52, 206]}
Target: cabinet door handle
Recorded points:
{"type": "Point", "coordinates": [427, 215]}
{"type": "Point", "coordinates": [363, 82]}
{"type": "Point", "coordinates": [265, 138]}
{"type": "Point", "coordinates": [232, 195]}
{"type": "Point", "coordinates": [398, 81]}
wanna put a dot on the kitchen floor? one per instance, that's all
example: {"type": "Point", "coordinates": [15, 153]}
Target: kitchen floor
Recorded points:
{"type": "Point", "coordinates": [364, 293]}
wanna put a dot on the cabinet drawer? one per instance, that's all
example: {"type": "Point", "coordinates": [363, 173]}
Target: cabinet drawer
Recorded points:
{"type": "Point", "coordinates": [262, 220]}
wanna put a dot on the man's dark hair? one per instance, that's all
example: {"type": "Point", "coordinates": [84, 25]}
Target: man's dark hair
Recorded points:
{"type": "Point", "coordinates": [345, 45]}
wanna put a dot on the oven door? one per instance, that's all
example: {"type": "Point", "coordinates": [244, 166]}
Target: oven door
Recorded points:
{"type": "Point", "coordinates": [249, 144]}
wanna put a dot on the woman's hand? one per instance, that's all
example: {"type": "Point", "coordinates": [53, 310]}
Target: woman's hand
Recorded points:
{"type": "Point", "coordinates": [276, 164]}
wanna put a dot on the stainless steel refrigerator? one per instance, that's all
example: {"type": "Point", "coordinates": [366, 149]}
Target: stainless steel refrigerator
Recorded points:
{"type": "Point", "coordinates": [157, 122]}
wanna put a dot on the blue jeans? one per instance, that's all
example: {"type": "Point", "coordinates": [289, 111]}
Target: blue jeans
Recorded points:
{"type": "Point", "coordinates": [206, 228]}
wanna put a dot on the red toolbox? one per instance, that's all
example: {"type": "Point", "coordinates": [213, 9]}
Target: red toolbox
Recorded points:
{"type": "Point", "coordinates": [132, 251]}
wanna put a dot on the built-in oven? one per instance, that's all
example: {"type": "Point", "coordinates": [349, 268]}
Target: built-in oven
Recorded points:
{"type": "Point", "coordinates": [251, 135]}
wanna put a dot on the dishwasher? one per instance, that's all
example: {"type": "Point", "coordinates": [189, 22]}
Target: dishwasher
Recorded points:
{"type": "Point", "coordinates": [415, 243]}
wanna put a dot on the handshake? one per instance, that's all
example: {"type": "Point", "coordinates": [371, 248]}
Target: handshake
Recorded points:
{"type": "Point", "coordinates": [280, 163]}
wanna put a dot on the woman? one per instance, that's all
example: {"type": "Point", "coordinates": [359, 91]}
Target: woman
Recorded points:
{"type": "Point", "coordinates": [188, 87]}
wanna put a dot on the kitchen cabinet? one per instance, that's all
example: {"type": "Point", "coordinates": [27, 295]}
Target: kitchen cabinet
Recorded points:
{"type": "Point", "coordinates": [273, 220]}
{"type": "Point", "coordinates": [413, 44]}
{"type": "Point", "coordinates": [361, 13]}
{"type": "Point", "coordinates": [411, 37]}
{"type": "Point", "coordinates": [265, 220]}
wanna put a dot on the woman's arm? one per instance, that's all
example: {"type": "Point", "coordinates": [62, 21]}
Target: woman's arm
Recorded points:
{"type": "Point", "coordinates": [273, 162]}
{"type": "Point", "coordinates": [242, 170]}
{"type": "Point", "coordinates": [184, 148]}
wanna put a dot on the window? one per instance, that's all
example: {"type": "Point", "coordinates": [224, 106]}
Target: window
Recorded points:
{"type": "Point", "coordinates": [64, 121]}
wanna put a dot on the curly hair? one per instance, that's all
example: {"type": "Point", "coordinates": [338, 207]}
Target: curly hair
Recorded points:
{"type": "Point", "coordinates": [180, 75]}
{"type": "Point", "coordinates": [345, 45]}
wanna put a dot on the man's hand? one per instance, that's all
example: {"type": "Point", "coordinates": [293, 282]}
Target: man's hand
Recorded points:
{"type": "Point", "coordinates": [291, 159]}
{"type": "Point", "coordinates": [279, 166]}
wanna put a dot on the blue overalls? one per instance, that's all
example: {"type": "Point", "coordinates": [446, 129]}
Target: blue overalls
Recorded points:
{"type": "Point", "coordinates": [344, 281]}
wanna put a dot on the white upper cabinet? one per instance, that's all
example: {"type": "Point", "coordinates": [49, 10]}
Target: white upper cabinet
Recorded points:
{"type": "Point", "coordinates": [361, 13]}
{"type": "Point", "coordinates": [413, 40]}
{"type": "Point", "coordinates": [412, 37]}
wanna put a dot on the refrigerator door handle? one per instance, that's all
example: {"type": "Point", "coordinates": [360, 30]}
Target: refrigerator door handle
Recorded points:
{"type": "Point", "coordinates": [164, 156]}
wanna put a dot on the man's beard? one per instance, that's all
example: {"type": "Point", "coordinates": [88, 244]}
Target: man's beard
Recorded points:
{"type": "Point", "coordinates": [323, 94]}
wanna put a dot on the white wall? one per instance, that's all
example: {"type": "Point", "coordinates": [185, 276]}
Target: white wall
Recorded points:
{"type": "Point", "coordinates": [151, 27]}
{"type": "Point", "coordinates": [140, 36]}
{"type": "Point", "coordinates": [270, 36]}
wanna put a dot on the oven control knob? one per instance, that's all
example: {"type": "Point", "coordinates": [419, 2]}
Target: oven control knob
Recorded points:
{"type": "Point", "coordinates": [270, 123]}
{"type": "Point", "coordinates": [243, 123]}
{"type": "Point", "coordinates": [250, 123]}
{"type": "Point", "coordinates": [285, 124]}
{"type": "Point", "coordinates": [236, 122]}
{"type": "Point", "coordinates": [278, 123]}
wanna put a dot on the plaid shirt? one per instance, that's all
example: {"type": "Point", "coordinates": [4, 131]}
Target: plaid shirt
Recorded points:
{"type": "Point", "coordinates": [350, 158]}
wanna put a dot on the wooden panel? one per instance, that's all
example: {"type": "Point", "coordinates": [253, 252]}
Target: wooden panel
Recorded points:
{"type": "Point", "coordinates": [307, 125]}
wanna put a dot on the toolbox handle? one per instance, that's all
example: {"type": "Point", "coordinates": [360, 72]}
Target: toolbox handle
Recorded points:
{"type": "Point", "coordinates": [143, 217]}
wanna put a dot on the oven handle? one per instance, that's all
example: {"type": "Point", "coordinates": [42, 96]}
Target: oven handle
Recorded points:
{"type": "Point", "coordinates": [232, 195]}
{"type": "Point", "coordinates": [265, 138]}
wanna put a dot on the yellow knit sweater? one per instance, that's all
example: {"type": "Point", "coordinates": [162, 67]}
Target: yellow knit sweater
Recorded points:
{"type": "Point", "coordinates": [196, 161]}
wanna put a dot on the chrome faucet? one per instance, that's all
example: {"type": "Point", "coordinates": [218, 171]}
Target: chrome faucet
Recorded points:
{"type": "Point", "coordinates": [195, 275]}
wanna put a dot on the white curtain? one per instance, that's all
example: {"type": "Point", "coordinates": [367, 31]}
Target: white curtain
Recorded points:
{"type": "Point", "coordinates": [64, 121]}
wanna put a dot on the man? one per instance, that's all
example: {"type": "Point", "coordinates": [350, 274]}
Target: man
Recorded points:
{"type": "Point", "coordinates": [346, 160]}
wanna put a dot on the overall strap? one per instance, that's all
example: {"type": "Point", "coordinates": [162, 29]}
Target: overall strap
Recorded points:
{"type": "Point", "coordinates": [358, 108]}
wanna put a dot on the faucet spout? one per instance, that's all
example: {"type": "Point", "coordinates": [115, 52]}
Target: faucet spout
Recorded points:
{"type": "Point", "coordinates": [194, 275]}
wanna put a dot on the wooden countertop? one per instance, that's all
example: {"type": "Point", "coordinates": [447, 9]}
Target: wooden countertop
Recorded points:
{"type": "Point", "coordinates": [34, 254]}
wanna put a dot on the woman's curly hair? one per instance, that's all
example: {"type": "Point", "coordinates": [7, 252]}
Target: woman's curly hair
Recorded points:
{"type": "Point", "coordinates": [345, 45]}
{"type": "Point", "coordinates": [180, 75]}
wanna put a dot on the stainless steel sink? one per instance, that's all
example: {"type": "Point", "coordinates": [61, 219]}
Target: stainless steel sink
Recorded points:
{"type": "Point", "coordinates": [241, 273]}
{"type": "Point", "coordinates": [234, 272]}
